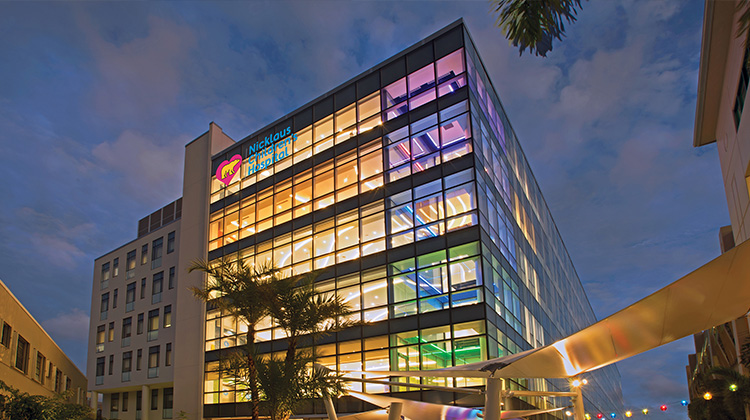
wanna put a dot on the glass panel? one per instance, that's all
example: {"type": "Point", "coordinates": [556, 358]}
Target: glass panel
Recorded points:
{"type": "Point", "coordinates": [404, 309]}
{"type": "Point", "coordinates": [455, 130]}
{"type": "Point", "coordinates": [422, 80]}
{"type": "Point", "coordinates": [370, 165]}
{"type": "Point", "coordinates": [403, 287]}
{"type": "Point", "coordinates": [436, 355]}
{"type": "Point", "coordinates": [450, 65]}
{"type": "Point", "coordinates": [375, 293]}
{"type": "Point", "coordinates": [351, 297]}
{"type": "Point", "coordinates": [433, 281]}
{"type": "Point", "coordinates": [370, 123]}
{"type": "Point", "coordinates": [369, 106]}
{"type": "Point", "coordinates": [452, 85]}
{"type": "Point", "coordinates": [347, 235]}
{"type": "Point", "coordinates": [304, 139]}
{"type": "Point", "coordinates": [323, 129]}
{"type": "Point", "coordinates": [422, 99]}
{"type": "Point", "coordinates": [346, 174]}
{"type": "Point", "coordinates": [460, 199]}
{"type": "Point", "coordinates": [457, 150]}
{"type": "Point", "coordinates": [394, 93]}
{"type": "Point", "coordinates": [433, 304]}
{"type": "Point", "coordinates": [465, 274]}
{"type": "Point", "coordinates": [400, 218]}
{"type": "Point", "coordinates": [324, 242]}
{"type": "Point", "coordinates": [323, 184]}
{"type": "Point", "coordinates": [427, 162]}
{"type": "Point", "coordinates": [398, 154]}
{"type": "Point", "coordinates": [426, 142]}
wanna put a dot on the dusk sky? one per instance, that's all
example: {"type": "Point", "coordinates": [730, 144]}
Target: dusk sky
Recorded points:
{"type": "Point", "coordinates": [97, 101]}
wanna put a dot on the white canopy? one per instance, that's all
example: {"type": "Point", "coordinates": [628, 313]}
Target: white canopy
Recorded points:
{"type": "Point", "coordinates": [715, 293]}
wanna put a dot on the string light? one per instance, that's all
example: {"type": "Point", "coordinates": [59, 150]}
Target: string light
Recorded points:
{"type": "Point", "coordinates": [568, 413]}
{"type": "Point", "coordinates": [684, 403]}
{"type": "Point", "coordinates": [663, 407]}
{"type": "Point", "coordinates": [628, 413]}
{"type": "Point", "coordinates": [645, 411]}
{"type": "Point", "coordinates": [599, 415]}
{"type": "Point", "coordinates": [576, 383]}
{"type": "Point", "coordinates": [587, 416]}
{"type": "Point", "coordinates": [613, 415]}
{"type": "Point", "coordinates": [733, 387]}
{"type": "Point", "coordinates": [707, 396]}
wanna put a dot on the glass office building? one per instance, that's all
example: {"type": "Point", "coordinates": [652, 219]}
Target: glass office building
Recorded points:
{"type": "Point", "coordinates": [408, 188]}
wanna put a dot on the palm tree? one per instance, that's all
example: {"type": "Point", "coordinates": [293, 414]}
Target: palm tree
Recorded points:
{"type": "Point", "coordinates": [301, 313]}
{"type": "Point", "coordinates": [239, 290]}
{"type": "Point", "coordinates": [735, 390]}
{"type": "Point", "coordinates": [534, 24]}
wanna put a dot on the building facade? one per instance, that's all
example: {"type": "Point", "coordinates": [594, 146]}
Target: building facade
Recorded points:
{"type": "Point", "coordinates": [30, 361]}
{"type": "Point", "coordinates": [131, 333]}
{"type": "Point", "coordinates": [720, 118]}
{"type": "Point", "coordinates": [407, 187]}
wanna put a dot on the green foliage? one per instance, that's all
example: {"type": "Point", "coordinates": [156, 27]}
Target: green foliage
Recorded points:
{"type": "Point", "coordinates": [17, 405]}
{"type": "Point", "coordinates": [277, 385]}
{"type": "Point", "coordinates": [534, 24]}
{"type": "Point", "coordinates": [725, 403]}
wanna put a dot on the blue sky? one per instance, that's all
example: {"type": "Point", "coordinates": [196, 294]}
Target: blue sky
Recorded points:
{"type": "Point", "coordinates": [97, 101]}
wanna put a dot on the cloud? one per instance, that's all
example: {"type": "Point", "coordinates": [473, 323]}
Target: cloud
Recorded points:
{"type": "Point", "coordinates": [55, 241]}
{"type": "Point", "coordinates": [141, 78]}
{"type": "Point", "coordinates": [148, 170]}
{"type": "Point", "coordinates": [73, 325]}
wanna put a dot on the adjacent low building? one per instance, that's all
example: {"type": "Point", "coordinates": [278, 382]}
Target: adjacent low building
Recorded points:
{"type": "Point", "coordinates": [133, 311]}
{"type": "Point", "coordinates": [407, 187]}
{"type": "Point", "coordinates": [30, 361]}
{"type": "Point", "coordinates": [722, 119]}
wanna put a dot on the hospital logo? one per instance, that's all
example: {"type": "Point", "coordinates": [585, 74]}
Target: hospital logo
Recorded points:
{"type": "Point", "coordinates": [228, 169]}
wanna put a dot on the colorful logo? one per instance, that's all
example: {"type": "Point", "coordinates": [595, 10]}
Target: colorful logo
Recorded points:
{"type": "Point", "coordinates": [228, 169]}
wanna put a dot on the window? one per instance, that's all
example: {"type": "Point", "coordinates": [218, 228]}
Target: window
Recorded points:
{"type": "Point", "coordinates": [127, 365]}
{"type": "Point", "coordinates": [99, 370]}
{"type": "Point", "coordinates": [101, 337]}
{"type": "Point", "coordinates": [59, 378]}
{"type": "Point", "coordinates": [168, 355]}
{"type": "Point", "coordinates": [130, 297]}
{"type": "Point", "coordinates": [111, 332]}
{"type": "Point", "coordinates": [41, 364]}
{"type": "Point", "coordinates": [156, 251]}
{"type": "Point", "coordinates": [130, 265]}
{"type": "Point", "coordinates": [167, 316]}
{"type": "Point", "coordinates": [67, 384]}
{"type": "Point", "coordinates": [739, 100]}
{"type": "Point", "coordinates": [114, 404]}
{"type": "Point", "coordinates": [7, 331]}
{"type": "Point", "coordinates": [114, 299]}
{"type": "Point", "coordinates": [105, 275]}
{"type": "Point", "coordinates": [156, 287]}
{"type": "Point", "coordinates": [143, 288]}
{"type": "Point", "coordinates": [139, 357]}
{"type": "Point", "coordinates": [167, 403]}
{"type": "Point", "coordinates": [22, 354]}
{"type": "Point", "coordinates": [155, 398]}
{"type": "Point", "coordinates": [153, 362]}
{"type": "Point", "coordinates": [153, 325]}
{"type": "Point", "coordinates": [104, 308]}
{"type": "Point", "coordinates": [144, 254]}
{"type": "Point", "coordinates": [115, 267]}
{"type": "Point", "coordinates": [170, 243]}
{"type": "Point", "coordinates": [125, 401]}
{"type": "Point", "coordinates": [111, 364]}
{"type": "Point", "coordinates": [171, 277]}
{"type": "Point", "coordinates": [127, 331]}
{"type": "Point", "coordinates": [138, 401]}
{"type": "Point", "coordinates": [139, 328]}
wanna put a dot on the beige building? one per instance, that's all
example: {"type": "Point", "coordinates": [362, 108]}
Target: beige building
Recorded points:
{"type": "Point", "coordinates": [29, 359]}
{"type": "Point", "coordinates": [133, 313]}
{"type": "Point", "coordinates": [721, 118]}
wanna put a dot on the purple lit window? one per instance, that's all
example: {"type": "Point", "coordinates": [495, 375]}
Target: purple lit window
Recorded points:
{"type": "Point", "coordinates": [450, 65]}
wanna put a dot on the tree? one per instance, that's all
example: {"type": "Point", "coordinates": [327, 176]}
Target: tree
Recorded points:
{"type": "Point", "coordinates": [17, 405]}
{"type": "Point", "coordinates": [276, 384]}
{"type": "Point", "coordinates": [534, 24]}
{"type": "Point", "coordinates": [239, 290]}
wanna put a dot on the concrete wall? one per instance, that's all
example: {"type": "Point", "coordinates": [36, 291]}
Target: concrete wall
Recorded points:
{"type": "Point", "coordinates": [24, 325]}
{"type": "Point", "coordinates": [189, 364]}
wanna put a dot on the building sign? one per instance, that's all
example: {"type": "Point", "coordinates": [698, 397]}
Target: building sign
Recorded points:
{"type": "Point", "coordinates": [270, 150]}
{"type": "Point", "coordinates": [228, 169]}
